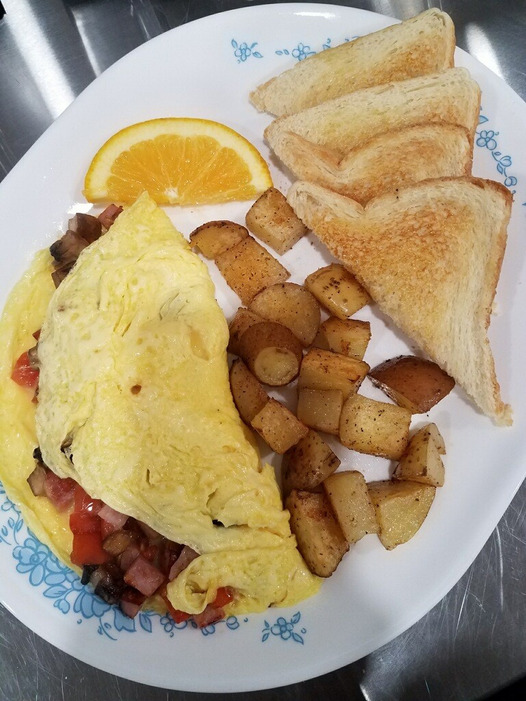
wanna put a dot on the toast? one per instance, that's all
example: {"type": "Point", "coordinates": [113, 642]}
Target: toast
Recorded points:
{"type": "Point", "coordinates": [423, 44]}
{"type": "Point", "coordinates": [388, 161]}
{"type": "Point", "coordinates": [430, 256]}
{"type": "Point", "coordinates": [342, 124]}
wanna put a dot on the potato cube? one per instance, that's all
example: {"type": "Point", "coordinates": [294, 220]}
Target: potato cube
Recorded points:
{"type": "Point", "coordinates": [272, 219]}
{"type": "Point", "coordinates": [351, 503]}
{"type": "Point", "coordinates": [413, 382]}
{"type": "Point", "coordinates": [421, 461]}
{"type": "Point", "coordinates": [242, 319]}
{"type": "Point", "coordinates": [248, 268]}
{"type": "Point", "coordinates": [272, 352]}
{"type": "Point", "coordinates": [437, 437]}
{"type": "Point", "coordinates": [291, 305]}
{"type": "Point", "coordinates": [215, 237]}
{"type": "Point", "coordinates": [375, 428]}
{"type": "Point", "coordinates": [249, 395]}
{"type": "Point", "coordinates": [308, 463]}
{"type": "Point", "coordinates": [278, 426]}
{"type": "Point", "coordinates": [345, 336]}
{"type": "Point", "coordinates": [320, 409]}
{"type": "Point", "coordinates": [337, 290]}
{"type": "Point", "coordinates": [321, 369]}
{"type": "Point", "coordinates": [319, 536]}
{"type": "Point", "coordinates": [401, 508]}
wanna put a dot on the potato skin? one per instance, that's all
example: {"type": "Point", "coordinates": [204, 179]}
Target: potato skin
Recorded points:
{"type": "Point", "coordinates": [412, 382]}
{"type": "Point", "coordinates": [272, 352]}
{"type": "Point", "coordinates": [249, 395]}
{"type": "Point", "coordinates": [240, 322]}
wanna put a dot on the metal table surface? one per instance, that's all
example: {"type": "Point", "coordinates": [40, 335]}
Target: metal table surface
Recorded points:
{"type": "Point", "coordinates": [473, 641]}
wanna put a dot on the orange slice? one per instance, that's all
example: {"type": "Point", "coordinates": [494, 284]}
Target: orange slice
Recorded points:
{"type": "Point", "coordinates": [179, 161]}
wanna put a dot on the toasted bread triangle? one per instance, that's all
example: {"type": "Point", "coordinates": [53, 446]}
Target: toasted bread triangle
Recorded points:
{"type": "Point", "coordinates": [430, 256]}
{"type": "Point", "coordinates": [420, 45]}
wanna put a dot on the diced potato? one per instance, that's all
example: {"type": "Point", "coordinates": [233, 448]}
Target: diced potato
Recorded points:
{"type": "Point", "coordinates": [401, 508]}
{"type": "Point", "coordinates": [278, 426]}
{"type": "Point", "coordinates": [241, 321]}
{"type": "Point", "coordinates": [437, 437]}
{"type": "Point", "coordinates": [308, 463]}
{"type": "Point", "coordinates": [338, 290]}
{"type": "Point", "coordinates": [248, 268]}
{"type": "Point", "coordinates": [319, 536]}
{"type": "Point", "coordinates": [351, 503]}
{"type": "Point", "coordinates": [345, 336]}
{"type": "Point", "coordinates": [272, 219]}
{"type": "Point", "coordinates": [215, 237]}
{"type": "Point", "coordinates": [421, 461]}
{"type": "Point", "coordinates": [320, 409]}
{"type": "Point", "coordinates": [415, 383]}
{"type": "Point", "coordinates": [249, 395]}
{"type": "Point", "coordinates": [272, 352]}
{"type": "Point", "coordinates": [375, 428]}
{"type": "Point", "coordinates": [321, 369]}
{"type": "Point", "coordinates": [291, 305]}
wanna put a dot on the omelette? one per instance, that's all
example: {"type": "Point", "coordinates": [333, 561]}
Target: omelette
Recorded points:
{"type": "Point", "coordinates": [134, 405]}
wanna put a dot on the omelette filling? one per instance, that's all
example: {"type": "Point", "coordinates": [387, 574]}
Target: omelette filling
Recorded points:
{"type": "Point", "coordinates": [142, 476]}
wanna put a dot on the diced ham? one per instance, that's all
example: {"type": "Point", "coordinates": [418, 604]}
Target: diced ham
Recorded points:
{"type": "Point", "coordinates": [115, 518]}
{"type": "Point", "coordinates": [142, 575]}
{"type": "Point", "coordinates": [59, 491]}
{"type": "Point", "coordinates": [208, 616]}
{"type": "Point", "coordinates": [108, 216]}
{"type": "Point", "coordinates": [131, 602]}
{"type": "Point", "coordinates": [182, 562]}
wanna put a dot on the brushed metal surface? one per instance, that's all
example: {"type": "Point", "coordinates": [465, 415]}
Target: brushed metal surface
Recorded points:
{"type": "Point", "coordinates": [473, 641]}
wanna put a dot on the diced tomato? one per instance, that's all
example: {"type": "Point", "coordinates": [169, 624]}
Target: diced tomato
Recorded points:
{"type": "Point", "coordinates": [84, 522]}
{"type": "Point", "coordinates": [83, 501]}
{"type": "Point", "coordinates": [178, 616]}
{"type": "Point", "coordinates": [142, 575]}
{"type": "Point", "coordinates": [24, 374]}
{"type": "Point", "coordinates": [36, 334]}
{"type": "Point", "coordinates": [224, 596]}
{"type": "Point", "coordinates": [59, 491]}
{"type": "Point", "coordinates": [88, 550]}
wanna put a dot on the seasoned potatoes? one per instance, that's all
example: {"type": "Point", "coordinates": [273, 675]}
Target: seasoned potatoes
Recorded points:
{"type": "Point", "coordinates": [320, 538]}
{"type": "Point", "coordinates": [320, 409]}
{"type": "Point", "coordinates": [242, 319]}
{"type": "Point", "coordinates": [412, 382]}
{"type": "Point", "coordinates": [291, 305]}
{"type": "Point", "coordinates": [248, 268]}
{"type": "Point", "coordinates": [323, 369]}
{"type": "Point", "coordinates": [345, 336]}
{"type": "Point", "coordinates": [337, 290]}
{"type": "Point", "coordinates": [249, 395]}
{"type": "Point", "coordinates": [308, 463]}
{"type": "Point", "coordinates": [421, 461]}
{"type": "Point", "coordinates": [272, 352]}
{"type": "Point", "coordinates": [351, 503]}
{"type": "Point", "coordinates": [278, 426]}
{"type": "Point", "coordinates": [401, 508]}
{"type": "Point", "coordinates": [376, 428]}
{"type": "Point", "coordinates": [215, 237]}
{"type": "Point", "coordinates": [272, 219]}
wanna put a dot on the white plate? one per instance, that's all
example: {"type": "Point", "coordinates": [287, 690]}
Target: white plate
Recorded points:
{"type": "Point", "coordinates": [206, 69]}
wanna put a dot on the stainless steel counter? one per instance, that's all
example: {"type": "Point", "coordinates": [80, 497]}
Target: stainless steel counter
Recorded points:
{"type": "Point", "coordinates": [473, 641]}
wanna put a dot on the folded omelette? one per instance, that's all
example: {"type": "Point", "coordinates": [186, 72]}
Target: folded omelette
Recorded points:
{"type": "Point", "coordinates": [134, 404]}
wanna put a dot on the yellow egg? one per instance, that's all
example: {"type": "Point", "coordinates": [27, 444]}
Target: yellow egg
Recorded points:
{"type": "Point", "coordinates": [135, 405]}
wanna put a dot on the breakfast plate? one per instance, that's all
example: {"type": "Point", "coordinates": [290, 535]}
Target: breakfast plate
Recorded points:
{"type": "Point", "coordinates": [206, 69]}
